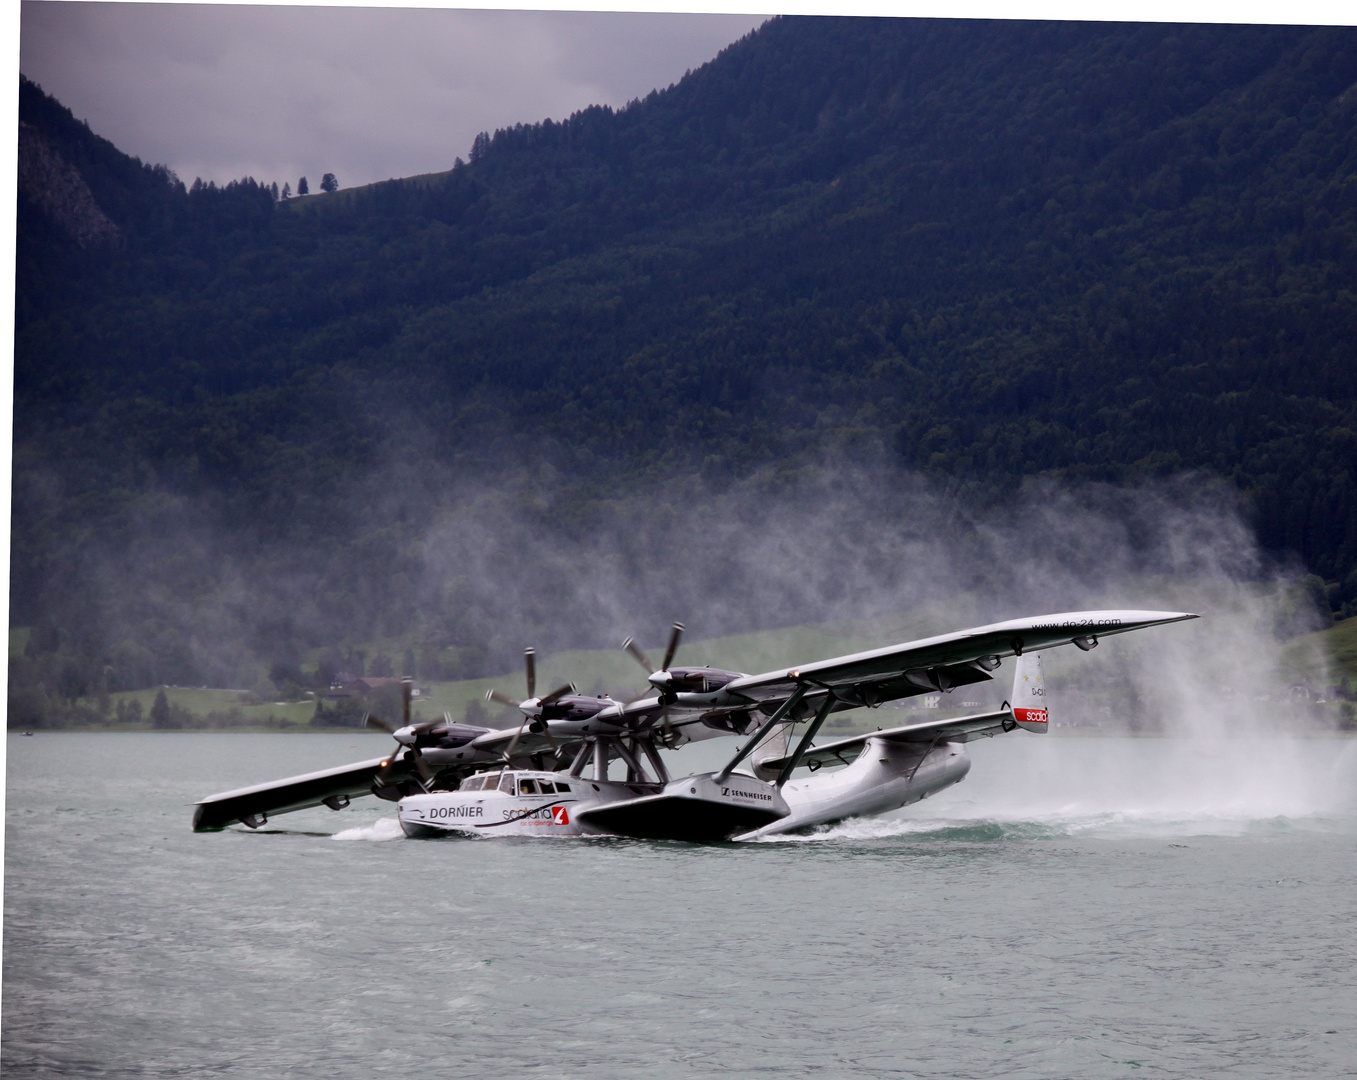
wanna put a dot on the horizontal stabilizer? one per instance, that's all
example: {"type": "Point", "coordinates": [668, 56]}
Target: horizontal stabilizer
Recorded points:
{"type": "Point", "coordinates": [845, 751]}
{"type": "Point", "coordinates": [254, 805]}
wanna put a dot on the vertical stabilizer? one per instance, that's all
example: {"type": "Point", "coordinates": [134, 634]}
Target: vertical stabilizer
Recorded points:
{"type": "Point", "coordinates": [1029, 693]}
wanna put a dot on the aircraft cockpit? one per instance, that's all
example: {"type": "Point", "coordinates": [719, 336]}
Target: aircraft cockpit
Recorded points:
{"type": "Point", "coordinates": [515, 783]}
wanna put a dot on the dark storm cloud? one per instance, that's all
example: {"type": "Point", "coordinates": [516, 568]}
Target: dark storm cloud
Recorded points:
{"type": "Point", "coordinates": [224, 91]}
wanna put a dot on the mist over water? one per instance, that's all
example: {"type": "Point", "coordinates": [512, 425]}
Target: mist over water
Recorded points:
{"type": "Point", "coordinates": [843, 543]}
{"type": "Point", "coordinates": [441, 561]}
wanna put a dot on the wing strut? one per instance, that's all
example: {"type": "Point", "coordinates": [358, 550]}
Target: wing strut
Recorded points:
{"type": "Point", "coordinates": [804, 744]}
{"type": "Point", "coordinates": [782, 710]}
{"type": "Point", "coordinates": [656, 762]}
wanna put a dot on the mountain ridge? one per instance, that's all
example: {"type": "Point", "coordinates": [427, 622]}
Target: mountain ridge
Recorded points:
{"type": "Point", "coordinates": [981, 251]}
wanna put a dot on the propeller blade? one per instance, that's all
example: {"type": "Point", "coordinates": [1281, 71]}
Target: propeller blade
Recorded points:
{"type": "Point", "coordinates": [512, 744]}
{"type": "Point", "coordinates": [530, 667]}
{"type": "Point", "coordinates": [675, 633]}
{"type": "Point", "coordinates": [421, 766]}
{"type": "Point", "coordinates": [639, 654]}
{"type": "Point", "coordinates": [406, 684]}
{"type": "Point", "coordinates": [377, 724]}
{"type": "Point", "coordinates": [559, 692]}
{"type": "Point", "coordinates": [502, 699]}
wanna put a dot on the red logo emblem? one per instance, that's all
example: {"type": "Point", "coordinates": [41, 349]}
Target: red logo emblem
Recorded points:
{"type": "Point", "coordinates": [559, 816]}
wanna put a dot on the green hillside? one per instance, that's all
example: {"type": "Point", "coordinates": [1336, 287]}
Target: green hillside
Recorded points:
{"type": "Point", "coordinates": [1326, 657]}
{"type": "Point", "coordinates": [975, 252]}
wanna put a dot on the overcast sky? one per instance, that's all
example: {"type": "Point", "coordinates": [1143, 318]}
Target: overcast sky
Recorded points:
{"type": "Point", "coordinates": [223, 91]}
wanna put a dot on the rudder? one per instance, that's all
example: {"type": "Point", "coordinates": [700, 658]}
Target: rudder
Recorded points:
{"type": "Point", "coordinates": [1029, 694]}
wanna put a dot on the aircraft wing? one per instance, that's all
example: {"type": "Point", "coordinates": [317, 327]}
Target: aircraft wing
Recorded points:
{"type": "Point", "coordinates": [529, 742]}
{"type": "Point", "coordinates": [254, 805]}
{"type": "Point", "coordinates": [939, 663]}
{"type": "Point", "coordinates": [960, 729]}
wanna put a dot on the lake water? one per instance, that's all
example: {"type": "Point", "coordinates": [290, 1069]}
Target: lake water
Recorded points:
{"type": "Point", "coordinates": [1075, 908]}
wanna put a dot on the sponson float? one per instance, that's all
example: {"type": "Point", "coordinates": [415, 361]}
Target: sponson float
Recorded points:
{"type": "Point", "coordinates": [552, 775]}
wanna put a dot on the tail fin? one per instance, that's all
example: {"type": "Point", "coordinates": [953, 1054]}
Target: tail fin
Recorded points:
{"type": "Point", "coordinates": [1029, 693]}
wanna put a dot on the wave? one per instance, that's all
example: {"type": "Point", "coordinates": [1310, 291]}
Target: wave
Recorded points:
{"type": "Point", "coordinates": [1106, 825]}
{"type": "Point", "coordinates": [387, 828]}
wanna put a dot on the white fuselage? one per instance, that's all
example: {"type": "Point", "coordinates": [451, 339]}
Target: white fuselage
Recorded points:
{"type": "Point", "coordinates": [885, 776]}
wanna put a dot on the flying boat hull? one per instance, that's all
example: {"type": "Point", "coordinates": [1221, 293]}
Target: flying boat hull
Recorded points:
{"type": "Point", "coordinates": [695, 808]}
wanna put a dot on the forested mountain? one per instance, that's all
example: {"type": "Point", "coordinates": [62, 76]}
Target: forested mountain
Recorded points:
{"type": "Point", "coordinates": [978, 250]}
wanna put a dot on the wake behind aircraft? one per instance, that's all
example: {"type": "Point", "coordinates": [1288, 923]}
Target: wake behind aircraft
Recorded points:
{"type": "Point", "coordinates": [551, 774]}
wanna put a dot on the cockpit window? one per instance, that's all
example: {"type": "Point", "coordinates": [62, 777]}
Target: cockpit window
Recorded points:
{"type": "Point", "coordinates": [527, 786]}
{"type": "Point", "coordinates": [506, 783]}
{"type": "Point", "coordinates": [562, 787]}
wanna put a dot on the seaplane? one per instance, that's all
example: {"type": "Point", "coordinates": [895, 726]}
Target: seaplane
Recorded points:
{"type": "Point", "coordinates": [578, 765]}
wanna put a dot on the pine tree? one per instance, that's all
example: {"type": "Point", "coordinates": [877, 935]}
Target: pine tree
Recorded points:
{"type": "Point", "coordinates": [160, 710]}
{"type": "Point", "coordinates": [287, 192]}
{"type": "Point", "coordinates": [302, 188]}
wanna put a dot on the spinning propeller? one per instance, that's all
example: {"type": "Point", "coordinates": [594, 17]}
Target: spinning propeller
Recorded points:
{"type": "Point", "coordinates": [407, 735]}
{"type": "Point", "coordinates": [531, 707]}
{"type": "Point", "coordinates": [659, 678]}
